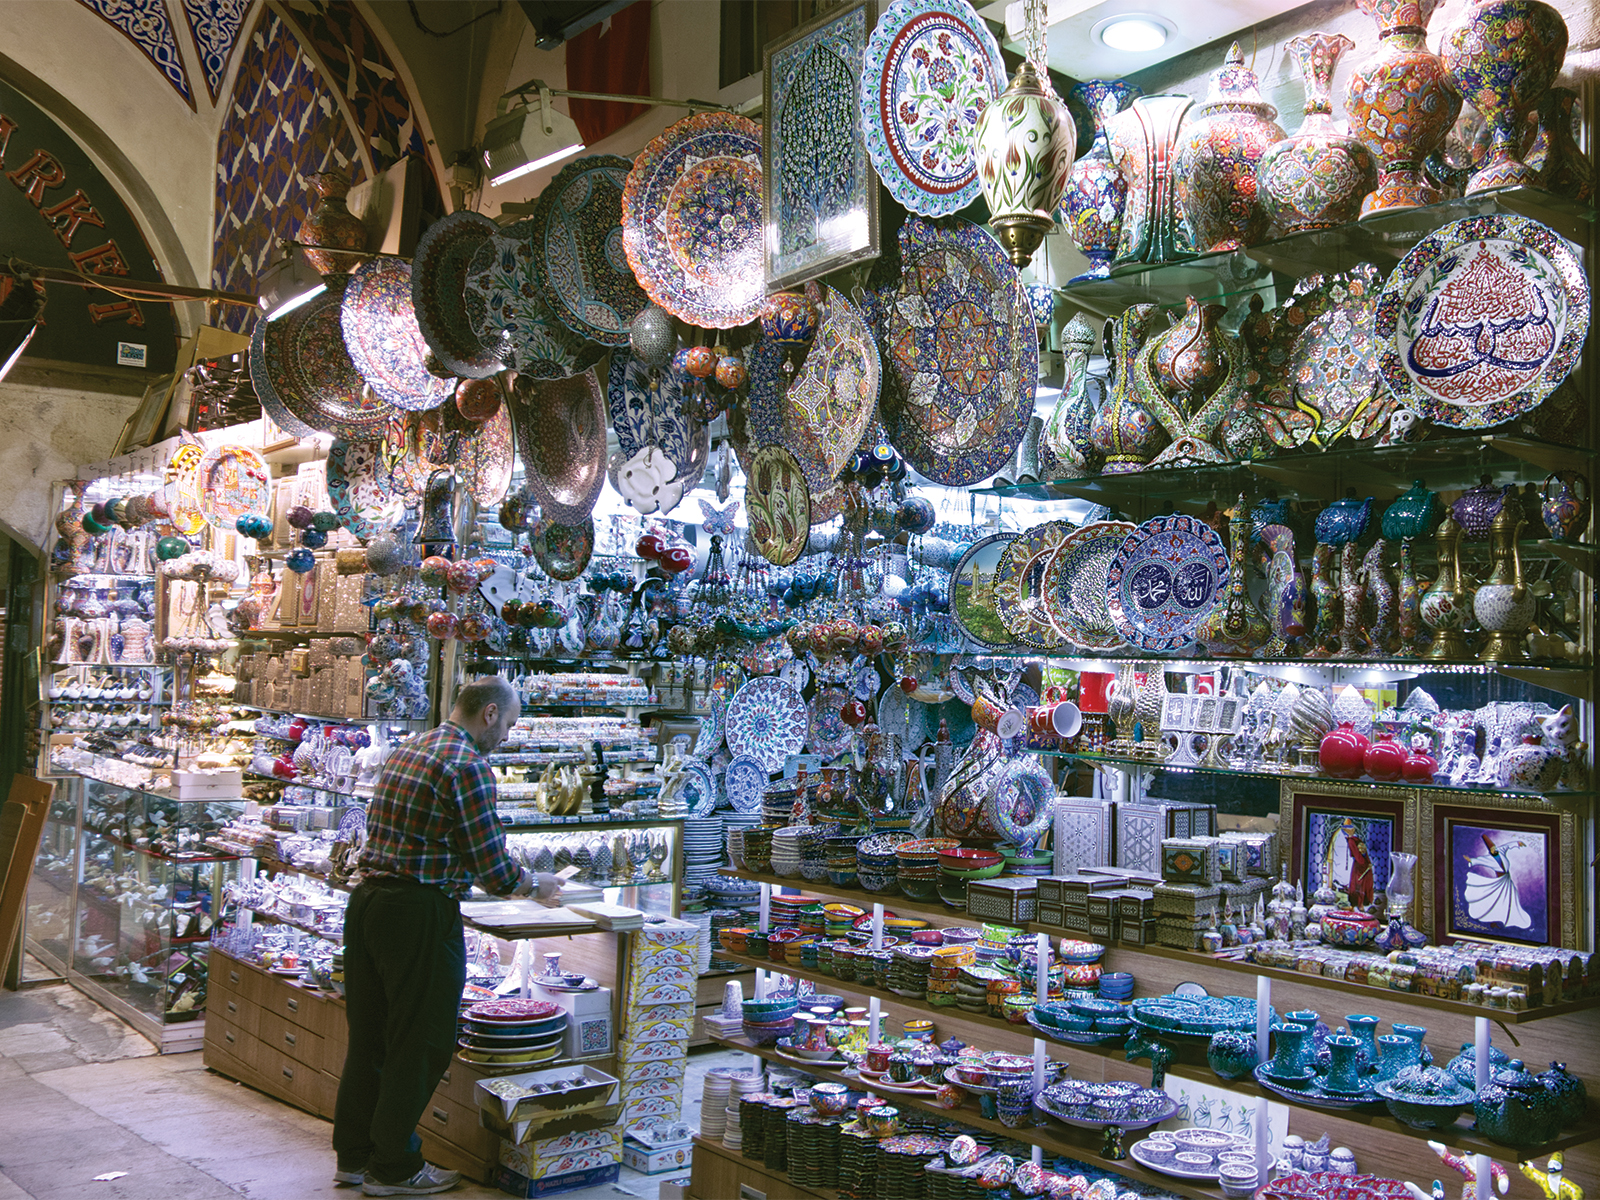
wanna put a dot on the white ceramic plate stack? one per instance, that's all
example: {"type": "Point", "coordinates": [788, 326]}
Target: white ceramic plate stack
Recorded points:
{"type": "Point", "coordinates": [702, 923]}
{"type": "Point", "coordinates": [702, 849]}
{"type": "Point", "coordinates": [786, 853]}
{"type": "Point", "coordinates": [742, 1084]}
{"type": "Point", "coordinates": [714, 1104]}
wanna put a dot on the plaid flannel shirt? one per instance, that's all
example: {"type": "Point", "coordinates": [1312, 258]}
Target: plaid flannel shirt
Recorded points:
{"type": "Point", "coordinates": [433, 817]}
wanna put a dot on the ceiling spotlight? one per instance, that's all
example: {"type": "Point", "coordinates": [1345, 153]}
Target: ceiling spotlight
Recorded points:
{"type": "Point", "coordinates": [288, 283]}
{"type": "Point", "coordinates": [1133, 33]}
{"type": "Point", "coordinates": [21, 303]}
{"type": "Point", "coordinates": [530, 136]}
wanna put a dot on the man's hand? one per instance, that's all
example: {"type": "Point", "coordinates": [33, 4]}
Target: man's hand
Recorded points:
{"type": "Point", "coordinates": [527, 885]}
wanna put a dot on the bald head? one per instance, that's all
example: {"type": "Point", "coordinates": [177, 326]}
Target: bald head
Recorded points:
{"type": "Point", "coordinates": [487, 708]}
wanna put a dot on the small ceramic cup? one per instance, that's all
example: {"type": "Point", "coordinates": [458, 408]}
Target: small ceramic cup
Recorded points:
{"type": "Point", "coordinates": [878, 1057]}
{"type": "Point", "coordinates": [883, 1121]}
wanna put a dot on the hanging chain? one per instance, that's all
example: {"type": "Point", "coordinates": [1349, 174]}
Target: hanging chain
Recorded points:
{"type": "Point", "coordinates": [1035, 19]}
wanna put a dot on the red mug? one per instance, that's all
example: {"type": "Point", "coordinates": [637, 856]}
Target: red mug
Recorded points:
{"type": "Point", "coordinates": [1094, 689]}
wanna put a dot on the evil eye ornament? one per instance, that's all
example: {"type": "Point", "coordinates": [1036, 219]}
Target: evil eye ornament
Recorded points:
{"type": "Point", "coordinates": [313, 539]}
{"type": "Point", "coordinates": [169, 548]}
{"type": "Point", "coordinates": [300, 561]}
{"type": "Point", "coordinates": [324, 522]}
{"type": "Point", "coordinates": [253, 525]}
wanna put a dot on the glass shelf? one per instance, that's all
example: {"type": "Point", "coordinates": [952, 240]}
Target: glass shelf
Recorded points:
{"type": "Point", "coordinates": [353, 797]}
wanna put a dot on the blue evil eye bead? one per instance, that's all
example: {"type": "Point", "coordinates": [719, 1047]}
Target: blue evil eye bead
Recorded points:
{"type": "Point", "coordinates": [324, 522]}
{"type": "Point", "coordinates": [860, 462]}
{"type": "Point", "coordinates": [792, 596]}
{"type": "Point", "coordinates": [313, 539]}
{"type": "Point", "coordinates": [253, 525]}
{"type": "Point", "coordinates": [883, 454]}
{"type": "Point", "coordinates": [300, 561]}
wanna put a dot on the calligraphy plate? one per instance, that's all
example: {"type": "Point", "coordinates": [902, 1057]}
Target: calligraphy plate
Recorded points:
{"type": "Point", "coordinates": [745, 782]}
{"type": "Point", "coordinates": [1075, 585]}
{"type": "Point", "coordinates": [699, 789]}
{"type": "Point", "coordinates": [972, 600]}
{"type": "Point", "coordinates": [438, 295]}
{"type": "Point", "coordinates": [832, 398]}
{"type": "Point", "coordinates": [931, 67]}
{"type": "Point", "coordinates": [266, 389]}
{"type": "Point", "coordinates": [503, 299]}
{"type": "Point", "coordinates": [312, 373]}
{"type": "Point", "coordinates": [1019, 584]}
{"type": "Point", "coordinates": [1163, 581]}
{"type": "Point", "coordinates": [646, 409]}
{"type": "Point", "coordinates": [829, 734]}
{"type": "Point", "coordinates": [563, 443]}
{"type": "Point", "coordinates": [562, 551]}
{"type": "Point", "coordinates": [1482, 320]}
{"type": "Point", "coordinates": [767, 721]}
{"type": "Point", "coordinates": [232, 481]}
{"type": "Point", "coordinates": [364, 503]}
{"type": "Point", "coordinates": [385, 343]}
{"type": "Point", "coordinates": [691, 220]}
{"type": "Point", "coordinates": [578, 258]}
{"type": "Point", "coordinates": [960, 352]}
{"type": "Point", "coordinates": [779, 504]}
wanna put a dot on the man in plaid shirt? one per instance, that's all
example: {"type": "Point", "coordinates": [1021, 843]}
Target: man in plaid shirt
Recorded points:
{"type": "Point", "coordinates": [432, 832]}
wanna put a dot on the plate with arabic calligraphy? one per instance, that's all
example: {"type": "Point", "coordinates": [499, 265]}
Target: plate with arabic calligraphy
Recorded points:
{"type": "Point", "coordinates": [1164, 580]}
{"type": "Point", "coordinates": [503, 301]}
{"type": "Point", "coordinates": [383, 338]}
{"type": "Point", "coordinates": [562, 551]}
{"type": "Point", "coordinates": [779, 504]}
{"type": "Point", "coordinates": [768, 721]}
{"type": "Point", "coordinates": [829, 734]}
{"type": "Point", "coordinates": [691, 220]}
{"type": "Point", "coordinates": [233, 481]}
{"type": "Point", "coordinates": [1075, 585]}
{"type": "Point", "coordinates": [312, 374]}
{"type": "Point", "coordinates": [438, 295]}
{"type": "Point", "coordinates": [583, 273]}
{"type": "Point", "coordinates": [1020, 597]}
{"type": "Point", "coordinates": [960, 352]}
{"type": "Point", "coordinates": [972, 591]}
{"type": "Point", "coordinates": [930, 69]}
{"type": "Point", "coordinates": [365, 504]}
{"type": "Point", "coordinates": [835, 392]}
{"type": "Point", "coordinates": [1482, 320]}
{"type": "Point", "coordinates": [563, 441]}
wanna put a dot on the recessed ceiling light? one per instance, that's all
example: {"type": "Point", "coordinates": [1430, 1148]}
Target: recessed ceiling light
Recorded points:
{"type": "Point", "coordinates": [1133, 33]}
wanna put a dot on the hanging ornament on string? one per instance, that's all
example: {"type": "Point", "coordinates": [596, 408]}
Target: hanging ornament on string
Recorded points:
{"type": "Point", "coordinates": [790, 321]}
{"type": "Point", "coordinates": [652, 337]}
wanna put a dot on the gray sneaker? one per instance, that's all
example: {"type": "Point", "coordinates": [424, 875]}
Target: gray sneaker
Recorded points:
{"type": "Point", "coordinates": [348, 1177]}
{"type": "Point", "coordinates": [425, 1182]}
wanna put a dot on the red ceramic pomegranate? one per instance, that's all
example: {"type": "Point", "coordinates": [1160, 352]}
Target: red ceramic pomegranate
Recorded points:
{"type": "Point", "coordinates": [1419, 766]}
{"type": "Point", "coordinates": [1384, 759]}
{"type": "Point", "coordinates": [1343, 753]}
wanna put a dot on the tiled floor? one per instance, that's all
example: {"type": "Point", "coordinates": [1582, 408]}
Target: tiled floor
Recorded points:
{"type": "Point", "coordinates": [82, 1096]}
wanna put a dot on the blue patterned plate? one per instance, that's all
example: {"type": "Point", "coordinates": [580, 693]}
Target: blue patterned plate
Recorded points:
{"type": "Point", "coordinates": [709, 740]}
{"type": "Point", "coordinates": [767, 721]}
{"type": "Point", "coordinates": [829, 734]}
{"type": "Point", "coordinates": [931, 67]}
{"type": "Point", "coordinates": [745, 781]}
{"type": "Point", "coordinates": [578, 259]}
{"type": "Point", "coordinates": [1075, 585]}
{"type": "Point", "coordinates": [1164, 580]}
{"type": "Point", "coordinates": [699, 789]}
{"type": "Point", "coordinates": [438, 294]}
{"type": "Point", "coordinates": [1019, 584]}
{"type": "Point", "coordinates": [503, 302]}
{"type": "Point", "coordinates": [646, 409]}
{"type": "Point", "coordinates": [384, 340]}
{"type": "Point", "coordinates": [364, 503]}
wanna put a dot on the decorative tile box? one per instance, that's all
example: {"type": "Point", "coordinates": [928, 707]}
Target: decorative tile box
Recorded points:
{"type": "Point", "coordinates": [1075, 892]}
{"type": "Point", "coordinates": [1049, 914]}
{"type": "Point", "coordinates": [1187, 902]}
{"type": "Point", "coordinates": [1010, 900]}
{"type": "Point", "coordinates": [1083, 834]}
{"type": "Point", "coordinates": [1052, 889]}
{"type": "Point", "coordinates": [1103, 929]}
{"type": "Point", "coordinates": [1260, 852]}
{"type": "Point", "coordinates": [1075, 922]}
{"type": "Point", "coordinates": [1179, 934]}
{"type": "Point", "coordinates": [1138, 933]}
{"type": "Point", "coordinates": [1135, 904]}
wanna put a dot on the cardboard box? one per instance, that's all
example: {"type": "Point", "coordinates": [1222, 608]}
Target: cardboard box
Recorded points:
{"type": "Point", "coordinates": [514, 1183]}
{"type": "Point", "coordinates": [564, 1154]}
{"type": "Point", "coordinates": [654, 1161]}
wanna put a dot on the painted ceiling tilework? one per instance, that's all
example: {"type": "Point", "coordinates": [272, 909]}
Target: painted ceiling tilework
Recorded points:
{"type": "Point", "coordinates": [147, 25]}
{"type": "Point", "coordinates": [214, 27]}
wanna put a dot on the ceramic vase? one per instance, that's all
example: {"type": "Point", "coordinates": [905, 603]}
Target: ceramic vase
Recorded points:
{"type": "Point", "coordinates": [1328, 606]}
{"type": "Point", "coordinates": [1317, 177]}
{"type": "Point", "coordinates": [1408, 604]}
{"type": "Point", "coordinates": [1352, 596]}
{"type": "Point", "coordinates": [1443, 606]}
{"type": "Point", "coordinates": [331, 226]}
{"type": "Point", "coordinates": [1503, 57]}
{"type": "Point", "coordinates": [1192, 376]}
{"type": "Point", "coordinates": [1288, 592]}
{"type": "Point", "coordinates": [1143, 140]}
{"type": "Point", "coordinates": [1223, 140]}
{"type": "Point", "coordinates": [1096, 191]}
{"type": "Point", "coordinates": [1124, 430]}
{"type": "Point", "coordinates": [1402, 104]}
{"type": "Point", "coordinates": [1235, 628]}
{"type": "Point", "coordinates": [1503, 604]}
{"type": "Point", "coordinates": [1123, 695]}
{"type": "Point", "coordinates": [1563, 168]}
{"type": "Point", "coordinates": [1025, 142]}
{"type": "Point", "coordinates": [1564, 505]}
{"type": "Point", "coordinates": [1380, 602]}
{"type": "Point", "coordinates": [1068, 431]}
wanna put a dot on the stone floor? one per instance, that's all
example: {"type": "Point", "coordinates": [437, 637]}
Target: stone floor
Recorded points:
{"type": "Point", "coordinates": [84, 1098]}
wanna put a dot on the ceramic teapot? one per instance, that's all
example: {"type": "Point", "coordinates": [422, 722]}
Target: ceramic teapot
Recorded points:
{"type": "Point", "coordinates": [1515, 1109]}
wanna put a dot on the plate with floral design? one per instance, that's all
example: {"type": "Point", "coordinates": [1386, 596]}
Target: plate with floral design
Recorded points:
{"type": "Point", "coordinates": [779, 504]}
{"type": "Point", "coordinates": [767, 721]}
{"type": "Point", "coordinates": [829, 734]}
{"type": "Point", "coordinates": [365, 502]}
{"type": "Point", "coordinates": [562, 551]}
{"type": "Point", "coordinates": [699, 789]}
{"type": "Point", "coordinates": [266, 387]}
{"type": "Point", "coordinates": [646, 409]}
{"type": "Point", "coordinates": [503, 301]}
{"type": "Point", "coordinates": [709, 739]}
{"type": "Point", "coordinates": [1020, 597]}
{"type": "Point", "coordinates": [835, 391]}
{"type": "Point", "coordinates": [384, 340]}
{"type": "Point", "coordinates": [1164, 580]}
{"type": "Point", "coordinates": [745, 782]}
{"type": "Point", "coordinates": [578, 258]}
{"type": "Point", "coordinates": [312, 375]}
{"type": "Point", "coordinates": [563, 442]}
{"type": "Point", "coordinates": [960, 352]}
{"type": "Point", "coordinates": [438, 295]}
{"type": "Point", "coordinates": [691, 220]}
{"type": "Point", "coordinates": [1482, 320]}
{"type": "Point", "coordinates": [1075, 585]}
{"type": "Point", "coordinates": [931, 67]}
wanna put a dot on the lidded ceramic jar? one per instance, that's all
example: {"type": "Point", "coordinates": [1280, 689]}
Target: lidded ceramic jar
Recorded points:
{"type": "Point", "coordinates": [1567, 1089]}
{"type": "Point", "coordinates": [1221, 144]}
{"type": "Point", "coordinates": [1317, 177]}
{"type": "Point", "coordinates": [1091, 210]}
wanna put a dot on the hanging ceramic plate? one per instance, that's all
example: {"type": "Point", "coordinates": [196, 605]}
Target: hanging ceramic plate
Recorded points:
{"type": "Point", "coordinates": [1163, 581]}
{"type": "Point", "coordinates": [931, 67]}
{"type": "Point", "coordinates": [709, 739]}
{"type": "Point", "coordinates": [829, 735]}
{"type": "Point", "coordinates": [960, 352]}
{"type": "Point", "coordinates": [648, 411]}
{"type": "Point", "coordinates": [835, 392]}
{"type": "Point", "coordinates": [183, 493]}
{"type": "Point", "coordinates": [699, 789]}
{"type": "Point", "coordinates": [1075, 585]}
{"type": "Point", "coordinates": [582, 271]}
{"type": "Point", "coordinates": [365, 503]}
{"type": "Point", "coordinates": [972, 600]}
{"type": "Point", "coordinates": [562, 551]}
{"type": "Point", "coordinates": [502, 296]}
{"type": "Point", "coordinates": [383, 338]}
{"type": "Point", "coordinates": [745, 782]}
{"type": "Point", "coordinates": [312, 374]}
{"type": "Point", "coordinates": [233, 481]}
{"type": "Point", "coordinates": [905, 718]}
{"type": "Point", "coordinates": [485, 459]}
{"type": "Point", "coordinates": [691, 220]}
{"type": "Point", "coordinates": [779, 504]}
{"type": "Point", "coordinates": [1482, 320]}
{"type": "Point", "coordinates": [1019, 584]}
{"type": "Point", "coordinates": [266, 389]}
{"type": "Point", "coordinates": [438, 295]}
{"type": "Point", "coordinates": [562, 430]}
{"type": "Point", "coordinates": [768, 721]}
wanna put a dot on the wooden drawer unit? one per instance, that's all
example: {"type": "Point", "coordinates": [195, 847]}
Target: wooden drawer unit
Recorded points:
{"type": "Point", "coordinates": [238, 979]}
{"type": "Point", "coordinates": [300, 1005]}
{"type": "Point", "coordinates": [291, 1040]}
{"type": "Point", "coordinates": [235, 1010]}
{"type": "Point", "coordinates": [229, 1040]}
{"type": "Point", "coordinates": [289, 1079]}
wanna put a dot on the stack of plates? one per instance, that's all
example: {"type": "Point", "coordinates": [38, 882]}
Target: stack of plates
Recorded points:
{"type": "Point", "coordinates": [714, 1104]}
{"type": "Point", "coordinates": [785, 911]}
{"type": "Point", "coordinates": [858, 1164]}
{"type": "Point", "coordinates": [702, 922]}
{"type": "Point", "coordinates": [702, 849]}
{"type": "Point", "coordinates": [841, 859]}
{"type": "Point", "coordinates": [786, 850]}
{"type": "Point", "coordinates": [741, 1084]}
{"type": "Point", "coordinates": [900, 1162]}
{"type": "Point", "coordinates": [506, 1032]}
{"type": "Point", "coordinates": [728, 892]}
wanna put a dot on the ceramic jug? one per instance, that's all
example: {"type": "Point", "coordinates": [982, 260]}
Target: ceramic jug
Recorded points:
{"type": "Point", "coordinates": [1292, 1056]}
{"type": "Point", "coordinates": [1443, 606]}
{"type": "Point", "coordinates": [1096, 191]}
{"type": "Point", "coordinates": [1068, 431]}
{"type": "Point", "coordinates": [1408, 604]}
{"type": "Point", "coordinates": [1564, 169]}
{"type": "Point", "coordinates": [1235, 626]}
{"type": "Point", "coordinates": [330, 226]}
{"type": "Point", "coordinates": [1503, 604]}
{"type": "Point", "coordinates": [1190, 377]}
{"type": "Point", "coordinates": [1317, 177]}
{"type": "Point", "coordinates": [1564, 505]}
{"type": "Point", "coordinates": [1124, 430]}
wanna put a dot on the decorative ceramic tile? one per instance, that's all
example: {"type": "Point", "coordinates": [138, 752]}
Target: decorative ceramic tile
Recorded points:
{"type": "Point", "coordinates": [214, 27]}
{"type": "Point", "coordinates": [146, 24]}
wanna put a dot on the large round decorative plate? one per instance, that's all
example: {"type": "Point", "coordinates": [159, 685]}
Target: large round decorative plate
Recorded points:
{"type": "Point", "coordinates": [709, 738]}
{"type": "Point", "coordinates": [768, 721]}
{"type": "Point", "coordinates": [562, 551]}
{"type": "Point", "coordinates": [438, 295]}
{"type": "Point", "coordinates": [583, 273]}
{"type": "Point", "coordinates": [1482, 320]}
{"type": "Point", "coordinates": [699, 789]}
{"type": "Point", "coordinates": [385, 343]}
{"type": "Point", "coordinates": [266, 389]}
{"type": "Point", "coordinates": [1020, 804]}
{"type": "Point", "coordinates": [1019, 584]}
{"type": "Point", "coordinates": [779, 504]}
{"type": "Point", "coordinates": [1075, 585]}
{"type": "Point", "coordinates": [972, 592]}
{"type": "Point", "coordinates": [1164, 579]}
{"type": "Point", "coordinates": [931, 67]}
{"type": "Point", "coordinates": [960, 352]}
{"type": "Point", "coordinates": [312, 374]}
{"type": "Point", "coordinates": [183, 493]}
{"type": "Point", "coordinates": [691, 220]}
{"type": "Point", "coordinates": [365, 503]}
{"type": "Point", "coordinates": [903, 717]}
{"type": "Point", "coordinates": [832, 398]}
{"type": "Point", "coordinates": [745, 782]}
{"type": "Point", "coordinates": [502, 297]}
{"type": "Point", "coordinates": [233, 481]}
{"type": "Point", "coordinates": [563, 441]}
{"type": "Point", "coordinates": [829, 734]}
{"type": "Point", "coordinates": [646, 409]}
{"type": "Point", "coordinates": [485, 457]}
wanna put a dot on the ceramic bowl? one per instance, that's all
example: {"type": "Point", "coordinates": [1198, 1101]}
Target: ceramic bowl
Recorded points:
{"type": "Point", "coordinates": [769, 1010]}
{"type": "Point", "coordinates": [1193, 1160]}
{"type": "Point", "coordinates": [1159, 1150]}
{"type": "Point", "coordinates": [1212, 1141]}
{"type": "Point", "coordinates": [1238, 1180]}
{"type": "Point", "coordinates": [1113, 1025]}
{"type": "Point", "coordinates": [1073, 1023]}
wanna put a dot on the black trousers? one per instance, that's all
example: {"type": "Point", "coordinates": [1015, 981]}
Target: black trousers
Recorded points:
{"type": "Point", "coordinates": [405, 963]}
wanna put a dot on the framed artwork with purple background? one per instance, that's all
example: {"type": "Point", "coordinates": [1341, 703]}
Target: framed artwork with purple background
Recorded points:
{"type": "Point", "coordinates": [1342, 835]}
{"type": "Point", "coordinates": [1498, 869]}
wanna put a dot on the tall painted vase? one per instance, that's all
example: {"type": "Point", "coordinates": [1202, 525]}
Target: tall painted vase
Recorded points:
{"type": "Point", "coordinates": [1317, 177]}
{"type": "Point", "coordinates": [1096, 190]}
{"type": "Point", "coordinates": [1223, 140]}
